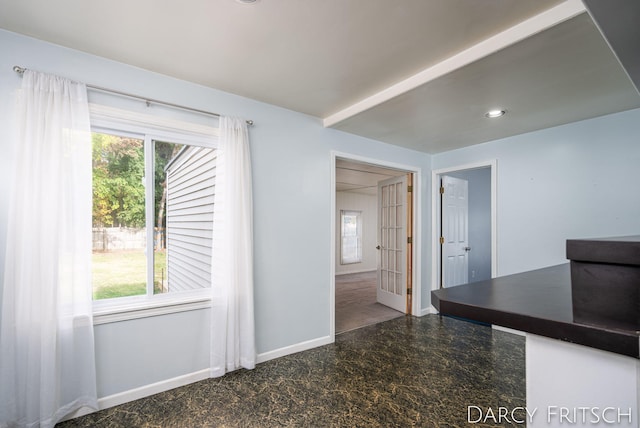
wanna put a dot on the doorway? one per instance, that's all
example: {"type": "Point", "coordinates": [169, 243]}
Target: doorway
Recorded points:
{"type": "Point", "coordinates": [356, 304]}
{"type": "Point", "coordinates": [363, 261]}
{"type": "Point", "coordinates": [464, 227]}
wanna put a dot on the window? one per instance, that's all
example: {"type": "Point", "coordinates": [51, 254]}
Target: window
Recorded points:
{"type": "Point", "coordinates": [118, 217]}
{"type": "Point", "coordinates": [152, 216]}
{"type": "Point", "coordinates": [351, 237]}
{"type": "Point", "coordinates": [153, 190]}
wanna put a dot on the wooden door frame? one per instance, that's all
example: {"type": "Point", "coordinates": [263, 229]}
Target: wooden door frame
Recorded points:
{"type": "Point", "coordinates": [416, 226]}
{"type": "Point", "coordinates": [436, 219]}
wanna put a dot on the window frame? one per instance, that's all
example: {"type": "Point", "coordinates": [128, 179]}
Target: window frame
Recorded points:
{"type": "Point", "coordinates": [149, 128]}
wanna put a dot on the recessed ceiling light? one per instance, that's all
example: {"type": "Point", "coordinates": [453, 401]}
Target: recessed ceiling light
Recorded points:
{"type": "Point", "coordinates": [246, 1]}
{"type": "Point", "coordinates": [495, 113]}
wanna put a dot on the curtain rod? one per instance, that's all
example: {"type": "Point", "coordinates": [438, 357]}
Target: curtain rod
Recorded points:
{"type": "Point", "coordinates": [148, 101]}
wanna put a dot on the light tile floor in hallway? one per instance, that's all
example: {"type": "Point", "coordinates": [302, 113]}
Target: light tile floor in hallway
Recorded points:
{"type": "Point", "coordinates": [356, 304]}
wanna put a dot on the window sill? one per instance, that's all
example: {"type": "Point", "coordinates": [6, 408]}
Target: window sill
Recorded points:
{"type": "Point", "coordinates": [141, 307]}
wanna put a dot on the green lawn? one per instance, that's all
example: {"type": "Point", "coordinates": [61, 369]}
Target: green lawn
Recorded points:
{"type": "Point", "coordinates": [123, 273]}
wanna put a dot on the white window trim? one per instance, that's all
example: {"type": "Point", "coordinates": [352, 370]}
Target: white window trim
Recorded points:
{"type": "Point", "coordinates": [134, 307]}
{"type": "Point", "coordinates": [125, 120]}
{"type": "Point", "coordinates": [109, 119]}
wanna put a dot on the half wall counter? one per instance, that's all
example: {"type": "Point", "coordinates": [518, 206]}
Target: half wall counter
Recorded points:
{"type": "Point", "coordinates": [581, 326]}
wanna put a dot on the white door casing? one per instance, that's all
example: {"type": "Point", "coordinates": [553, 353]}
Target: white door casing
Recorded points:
{"type": "Point", "coordinates": [392, 243]}
{"type": "Point", "coordinates": [455, 231]}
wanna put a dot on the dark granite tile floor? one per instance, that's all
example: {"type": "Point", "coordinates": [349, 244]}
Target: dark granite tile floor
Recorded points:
{"type": "Point", "coordinates": [404, 372]}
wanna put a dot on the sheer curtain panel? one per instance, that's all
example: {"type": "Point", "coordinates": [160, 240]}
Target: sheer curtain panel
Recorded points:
{"type": "Point", "coordinates": [47, 364]}
{"type": "Point", "coordinates": [232, 319]}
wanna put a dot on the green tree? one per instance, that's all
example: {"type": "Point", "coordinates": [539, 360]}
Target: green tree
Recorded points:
{"type": "Point", "coordinates": [118, 181]}
{"type": "Point", "coordinates": [164, 153]}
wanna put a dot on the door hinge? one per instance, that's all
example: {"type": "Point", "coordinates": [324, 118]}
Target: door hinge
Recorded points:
{"type": "Point", "coordinates": [442, 240]}
{"type": "Point", "coordinates": [442, 190]}
{"type": "Point", "coordinates": [409, 189]}
{"type": "Point", "coordinates": [408, 292]}
{"type": "Point", "coordinates": [409, 240]}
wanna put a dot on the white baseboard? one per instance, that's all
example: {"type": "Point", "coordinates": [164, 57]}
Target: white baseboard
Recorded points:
{"type": "Point", "coordinates": [508, 330]}
{"type": "Point", "coordinates": [298, 347]}
{"type": "Point", "coordinates": [154, 388]}
{"type": "Point", "coordinates": [427, 311]}
{"type": "Point", "coordinates": [166, 385]}
{"type": "Point", "coordinates": [355, 271]}
{"type": "Point", "coordinates": [143, 391]}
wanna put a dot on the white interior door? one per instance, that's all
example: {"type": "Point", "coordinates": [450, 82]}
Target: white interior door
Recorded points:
{"type": "Point", "coordinates": [455, 231]}
{"type": "Point", "coordinates": [392, 243]}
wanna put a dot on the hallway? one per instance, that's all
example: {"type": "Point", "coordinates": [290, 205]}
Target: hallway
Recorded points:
{"type": "Point", "coordinates": [356, 304]}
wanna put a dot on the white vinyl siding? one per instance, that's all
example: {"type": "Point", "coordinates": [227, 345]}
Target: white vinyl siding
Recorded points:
{"type": "Point", "coordinates": [190, 191]}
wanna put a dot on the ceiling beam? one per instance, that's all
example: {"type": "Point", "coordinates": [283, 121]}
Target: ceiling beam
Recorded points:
{"type": "Point", "coordinates": [619, 26]}
{"type": "Point", "coordinates": [521, 31]}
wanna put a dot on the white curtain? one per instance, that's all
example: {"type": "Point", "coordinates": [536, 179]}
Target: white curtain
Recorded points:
{"type": "Point", "coordinates": [47, 364]}
{"type": "Point", "coordinates": [232, 319]}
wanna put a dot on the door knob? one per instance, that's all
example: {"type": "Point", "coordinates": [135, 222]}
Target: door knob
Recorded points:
{"type": "Point", "coordinates": [377, 247]}
{"type": "Point", "coordinates": [467, 249]}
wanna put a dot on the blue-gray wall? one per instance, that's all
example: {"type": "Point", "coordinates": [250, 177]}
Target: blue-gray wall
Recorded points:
{"type": "Point", "coordinates": [291, 160]}
{"type": "Point", "coordinates": [572, 181]}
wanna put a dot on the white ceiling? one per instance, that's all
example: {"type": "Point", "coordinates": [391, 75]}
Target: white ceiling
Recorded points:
{"type": "Point", "coordinates": [416, 73]}
{"type": "Point", "coordinates": [564, 74]}
{"type": "Point", "coordinates": [357, 177]}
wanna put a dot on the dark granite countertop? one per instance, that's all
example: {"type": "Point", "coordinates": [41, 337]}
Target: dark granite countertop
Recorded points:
{"type": "Point", "coordinates": [537, 302]}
